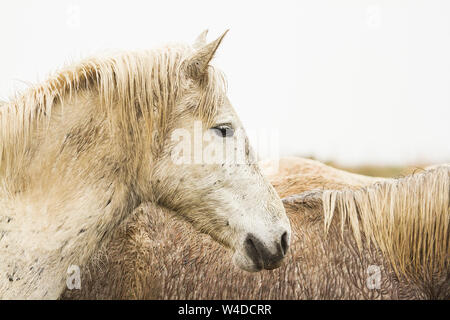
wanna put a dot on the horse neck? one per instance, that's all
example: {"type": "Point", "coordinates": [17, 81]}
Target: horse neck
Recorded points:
{"type": "Point", "coordinates": [70, 195]}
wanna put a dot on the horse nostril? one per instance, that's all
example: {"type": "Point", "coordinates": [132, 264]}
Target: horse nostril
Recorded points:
{"type": "Point", "coordinates": [251, 248]}
{"type": "Point", "coordinates": [284, 243]}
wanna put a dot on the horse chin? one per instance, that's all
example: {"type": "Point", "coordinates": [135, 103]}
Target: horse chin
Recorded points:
{"type": "Point", "coordinates": [242, 261]}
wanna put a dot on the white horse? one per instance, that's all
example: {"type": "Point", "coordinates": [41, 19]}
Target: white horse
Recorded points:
{"type": "Point", "coordinates": [80, 151]}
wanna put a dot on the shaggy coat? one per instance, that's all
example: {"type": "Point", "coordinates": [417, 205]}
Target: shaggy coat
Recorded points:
{"type": "Point", "coordinates": [155, 256]}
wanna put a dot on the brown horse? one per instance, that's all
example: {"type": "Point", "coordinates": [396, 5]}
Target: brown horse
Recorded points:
{"type": "Point", "coordinates": [154, 255]}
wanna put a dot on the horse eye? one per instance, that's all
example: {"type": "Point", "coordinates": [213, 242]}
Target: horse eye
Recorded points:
{"type": "Point", "coordinates": [223, 130]}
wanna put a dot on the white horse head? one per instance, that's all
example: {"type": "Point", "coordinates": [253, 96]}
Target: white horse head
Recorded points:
{"type": "Point", "coordinates": [209, 174]}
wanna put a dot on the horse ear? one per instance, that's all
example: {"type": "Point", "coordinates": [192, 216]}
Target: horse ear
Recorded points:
{"type": "Point", "coordinates": [197, 64]}
{"type": "Point", "coordinates": [200, 41]}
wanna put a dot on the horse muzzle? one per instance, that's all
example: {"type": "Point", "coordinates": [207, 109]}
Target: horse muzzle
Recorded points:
{"type": "Point", "coordinates": [257, 254]}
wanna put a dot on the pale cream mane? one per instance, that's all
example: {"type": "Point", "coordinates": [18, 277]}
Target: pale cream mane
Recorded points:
{"type": "Point", "coordinates": [130, 86]}
{"type": "Point", "coordinates": [407, 218]}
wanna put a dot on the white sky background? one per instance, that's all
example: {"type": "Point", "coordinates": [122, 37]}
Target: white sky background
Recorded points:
{"type": "Point", "coordinates": [358, 82]}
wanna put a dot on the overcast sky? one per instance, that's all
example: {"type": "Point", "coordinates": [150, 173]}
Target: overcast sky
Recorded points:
{"type": "Point", "coordinates": [358, 82]}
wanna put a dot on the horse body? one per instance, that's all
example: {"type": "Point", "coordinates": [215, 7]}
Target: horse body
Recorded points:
{"type": "Point", "coordinates": [297, 175]}
{"type": "Point", "coordinates": [79, 152]}
{"type": "Point", "coordinates": [55, 211]}
{"type": "Point", "coordinates": [154, 255]}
